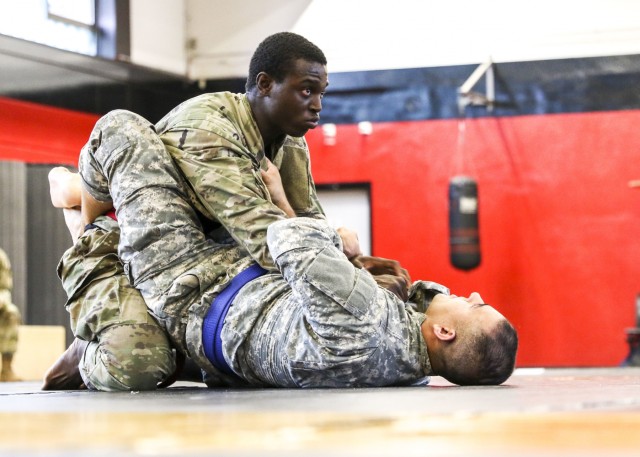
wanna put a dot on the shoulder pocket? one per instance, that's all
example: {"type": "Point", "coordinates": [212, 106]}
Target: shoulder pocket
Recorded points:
{"type": "Point", "coordinates": [351, 288]}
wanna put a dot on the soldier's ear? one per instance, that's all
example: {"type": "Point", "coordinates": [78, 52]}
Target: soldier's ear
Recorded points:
{"type": "Point", "coordinates": [264, 83]}
{"type": "Point", "coordinates": [444, 333]}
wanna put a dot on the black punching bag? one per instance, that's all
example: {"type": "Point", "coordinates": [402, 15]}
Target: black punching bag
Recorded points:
{"type": "Point", "coordinates": [464, 238]}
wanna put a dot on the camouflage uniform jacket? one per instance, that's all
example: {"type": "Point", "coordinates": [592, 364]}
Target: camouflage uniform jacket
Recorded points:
{"type": "Point", "coordinates": [6, 282]}
{"type": "Point", "coordinates": [9, 313]}
{"type": "Point", "coordinates": [215, 141]}
{"type": "Point", "coordinates": [6, 278]}
{"type": "Point", "coordinates": [322, 322]}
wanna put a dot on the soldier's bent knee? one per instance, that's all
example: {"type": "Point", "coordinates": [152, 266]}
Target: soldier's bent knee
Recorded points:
{"type": "Point", "coordinates": [131, 357]}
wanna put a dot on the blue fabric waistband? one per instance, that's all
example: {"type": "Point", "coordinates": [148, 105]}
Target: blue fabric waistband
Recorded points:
{"type": "Point", "coordinates": [214, 320]}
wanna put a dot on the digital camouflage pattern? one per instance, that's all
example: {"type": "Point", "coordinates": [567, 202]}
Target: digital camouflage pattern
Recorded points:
{"type": "Point", "coordinates": [9, 313]}
{"type": "Point", "coordinates": [322, 322]}
{"type": "Point", "coordinates": [6, 274]}
{"type": "Point", "coordinates": [217, 145]}
{"type": "Point", "coordinates": [178, 270]}
{"type": "Point", "coordinates": [328, 324]}
{"type": "Point", "coordinates": [127, 348]}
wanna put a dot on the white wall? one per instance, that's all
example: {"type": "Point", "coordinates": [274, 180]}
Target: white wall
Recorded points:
{"type": "Point", "coordinates": [381, 34]}
{"type": "Point", "coordinates": [384, 34]}
{"type": "Point", "coordinates": [158, 34]}
{"type": "Point", "coordinates": [226, 32]}
{"type": "Point", "coordinates": [350, 208]}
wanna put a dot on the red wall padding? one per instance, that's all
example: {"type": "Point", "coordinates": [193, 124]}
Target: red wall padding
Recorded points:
{"type": "Point", "coordinates": [559, 226]}
{"type": "Point", "coordinates": [40, 134]}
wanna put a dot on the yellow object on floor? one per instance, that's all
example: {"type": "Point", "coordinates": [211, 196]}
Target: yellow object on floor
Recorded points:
{"type": "Point", "coordinates": [38, 347]}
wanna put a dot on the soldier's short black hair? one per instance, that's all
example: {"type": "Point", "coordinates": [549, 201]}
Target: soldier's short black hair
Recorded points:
{"type": "Point", "coordinates": [277, 53]}
{"type": "Point", "coordinates": [482, 358]}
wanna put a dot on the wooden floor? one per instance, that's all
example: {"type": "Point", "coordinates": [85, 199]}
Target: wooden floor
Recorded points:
{"type": "Point", "coordinates": [554, 412]}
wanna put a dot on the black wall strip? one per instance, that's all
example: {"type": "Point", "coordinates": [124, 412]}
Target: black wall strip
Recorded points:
{"type": "Point", "coordinates": [537, 87]}
{"type": "Point", "coordinates": [540, 87]}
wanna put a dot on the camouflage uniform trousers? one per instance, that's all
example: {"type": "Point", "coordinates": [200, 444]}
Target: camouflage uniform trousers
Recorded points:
{"type": "Point", "coordinates": [163, 248]}
{"type": "Point", "coordinates": [127, 348]}
{"type": "Point", "coordinates": [9, 322]}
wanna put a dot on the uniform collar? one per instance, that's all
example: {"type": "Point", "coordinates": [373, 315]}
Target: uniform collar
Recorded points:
{"type": "Point", "coordinates": [423, 353]}
{"type": "Point", "coordinates": [421, 294]}
{"type": "Point", "coordinates": [254, 139]}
